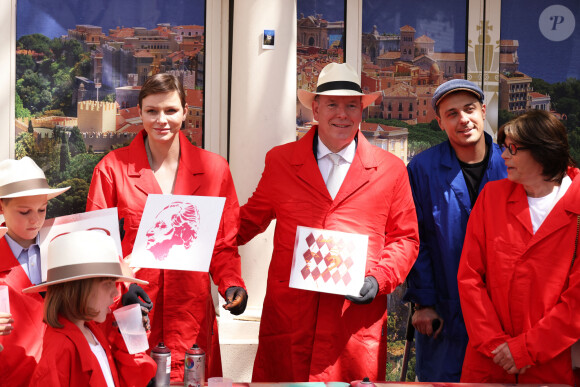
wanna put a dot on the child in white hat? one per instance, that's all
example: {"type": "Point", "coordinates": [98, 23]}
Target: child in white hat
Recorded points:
{"type": "Point", "coordinates": [83, 268]}
{"type": "Point", "coordinates": [24, 194]}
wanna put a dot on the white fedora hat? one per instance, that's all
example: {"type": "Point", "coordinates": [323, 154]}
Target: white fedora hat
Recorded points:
{"type": "Point", "coordinates": [340, 80]}
{"type": "Point", "coordinates": [79, 255]}
{"type": "Point", "coordinates": [24, 178]}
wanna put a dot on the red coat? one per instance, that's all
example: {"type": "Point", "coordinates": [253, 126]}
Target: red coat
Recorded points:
{"type": "Point", "coordinates": [311, 336]}
{"type": "Point", "coordinates": [513, 286]}
{"type": "Point", "coordinates": [67, 360]}
{"type": "Point", "coordinates": [183, 312]}
{"type": "Point", "coordinates": [22, 347]}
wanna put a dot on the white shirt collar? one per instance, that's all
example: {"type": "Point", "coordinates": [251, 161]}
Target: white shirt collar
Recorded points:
{"type": "Point", "coordinates": [15, 246]}
{"type": "Point", "coordinates": [347, 153]}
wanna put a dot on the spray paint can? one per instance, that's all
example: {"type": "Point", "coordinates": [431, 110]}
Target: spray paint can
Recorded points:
{"type": "Point", "coordinates": [162, 356]}
{"type": "Point", "coordinates": [194, 374]}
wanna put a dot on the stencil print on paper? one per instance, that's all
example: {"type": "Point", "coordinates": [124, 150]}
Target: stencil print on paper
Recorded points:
{"type": "Point", "coordinates": [177, 232]}
{"type": "Point", "coordinates": [328, 261]}
{"type": "Point", "coordinates": [175, 225]}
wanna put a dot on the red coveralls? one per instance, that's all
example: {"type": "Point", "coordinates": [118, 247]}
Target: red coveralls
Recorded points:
{"type": "Point", "coordinates": [311, 336]}
{"type": "Point", "coordinates": [516, 286]}
{"type": "Point", "coordinates": [67, 360]}
{"type": "Point", "coordinates": [23, 346]}
{"type": "Point", "coordinates": [183, 311]}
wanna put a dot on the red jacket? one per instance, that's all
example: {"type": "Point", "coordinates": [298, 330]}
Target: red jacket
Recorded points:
{"type": "Point", "coordinates": [311, 336]}
{"type": "Point", "coordinates": [67, 360]}
{"type": "Point", "coordinates": [23, 346]}
{"type": "Point", "coordinates": [515, 286]}
{"type": "Point", "coordinates": [183, 312]}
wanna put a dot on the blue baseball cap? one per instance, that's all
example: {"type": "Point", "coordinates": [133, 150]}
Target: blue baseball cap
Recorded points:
{"type": "Point", "coordinates": [455, 85]}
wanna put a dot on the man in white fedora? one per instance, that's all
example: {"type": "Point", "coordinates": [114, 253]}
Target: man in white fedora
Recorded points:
{"type": "Point", "coordinates": [24, 195]}
{"type": "Point", "coordinates": [331, 179]}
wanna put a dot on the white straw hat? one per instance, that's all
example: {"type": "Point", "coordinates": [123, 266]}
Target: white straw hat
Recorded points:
{"type": "Point", "coordinates": [340, 80]}
{"type": "Point", "coordinates": [79, 255]}
{"type": "Point", "coordinates": [24, 178]}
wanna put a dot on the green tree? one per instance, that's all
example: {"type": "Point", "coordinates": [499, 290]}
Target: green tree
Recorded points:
{"type": "Point", "coordinates": [76, 143]}
{"type": "Point", "coordinates": [434, 125]}
{"type": "Point", "coordinates": [72, 201]}
{"type": "Point", "coordinates": [35, 42]}
{"type": "Point", "coordinates": [33, 91]}
{"type": "Point", "coordinates": [568, 105]}
{"type": "Point", "coordinates": [26, 146]}
{"type": "Point", "coordinates": [30, 127]}
{"type": "Point", "coordinates": [82, 166]}
{"type": "Point", "coordinates": [19, 110]}
{"type": "Point", "coordinates": [503, 117]}
{"type": "Point", "coordinates": [64, 153]}
{"type": "Point", "coordinates": [541, 86]}
{"type": "Point", "coordinates": [23, 63]}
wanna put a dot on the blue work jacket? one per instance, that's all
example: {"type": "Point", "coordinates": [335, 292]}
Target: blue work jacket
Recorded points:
{"type": "Point", "coordinates": [443, 207]}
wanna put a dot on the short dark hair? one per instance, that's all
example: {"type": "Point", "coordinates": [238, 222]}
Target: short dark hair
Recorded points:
{"type": "Point", "coordinates": [546, 138]}
{"type": "Point", "coordinates": [161, 83]}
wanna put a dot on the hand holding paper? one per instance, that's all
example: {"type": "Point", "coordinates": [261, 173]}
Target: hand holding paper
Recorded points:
{"type": "Point", "coordinates": [368, 291]}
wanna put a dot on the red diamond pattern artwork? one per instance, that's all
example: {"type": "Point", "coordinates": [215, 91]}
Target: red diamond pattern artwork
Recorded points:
{"type": "Point", "coordinates": [327, 258]}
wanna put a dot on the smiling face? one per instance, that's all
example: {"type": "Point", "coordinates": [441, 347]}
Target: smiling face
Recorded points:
{"type": "Point", "coordinates": [522, 168]}
{"type": "Point", "coordinates": [102, 296]}
{"type": "Point", "coordinates": [24, 217]}
{"type": "Point", "coordinates": [462, 116]}
{"type": "Point", "coordinates": [162, 115]}
{"type": "Point", "coordinates": [338, 119]}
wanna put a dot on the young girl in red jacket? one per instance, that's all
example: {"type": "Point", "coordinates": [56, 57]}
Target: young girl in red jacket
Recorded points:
{"type": "Point", "coordinates": [83, 268]}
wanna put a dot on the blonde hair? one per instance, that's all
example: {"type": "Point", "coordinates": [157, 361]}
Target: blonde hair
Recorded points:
{"type": "Point", "coordinates": [70, 300]}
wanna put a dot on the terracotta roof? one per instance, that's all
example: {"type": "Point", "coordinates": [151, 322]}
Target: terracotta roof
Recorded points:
{"type": "Point", "coordinates": [534, 94]}
{"type": "Point", "coordinates": [373, 127]}
{"type": "Point", "coordinates": [143, 54]}
{"type": "Point", "coordinates": [390, 55]}
{"type": "Point", "coordinates": [407, 28]}
{"type": "Point", "coordinates": [455, 56]}
{"type": "Point", "coordinates": [424, 39]}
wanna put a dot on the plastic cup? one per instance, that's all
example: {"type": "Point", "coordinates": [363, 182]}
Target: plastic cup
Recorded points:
{"type": "Point", "coordinates": [219, 382]}
{"type": "Point", "coordinates": [130, 323]}
{"type": "Point", "coordinates": [4, 300]}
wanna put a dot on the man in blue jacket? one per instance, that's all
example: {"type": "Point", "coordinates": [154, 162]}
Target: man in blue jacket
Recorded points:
{"type": "Point", "coordinates": [446, 180]}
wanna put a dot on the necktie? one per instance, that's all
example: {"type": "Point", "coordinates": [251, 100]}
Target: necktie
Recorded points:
{"type": "Point", "coordinates": [334, 181]}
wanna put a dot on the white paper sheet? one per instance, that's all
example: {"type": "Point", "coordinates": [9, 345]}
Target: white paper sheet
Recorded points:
{"type": "Point", "coordinates": [177, 232]}
{"type": "Point", "coordinates": [328, 261]}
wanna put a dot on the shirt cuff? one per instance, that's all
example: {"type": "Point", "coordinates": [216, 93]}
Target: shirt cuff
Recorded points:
{"type": "Point", "coordinates": [519, 351]}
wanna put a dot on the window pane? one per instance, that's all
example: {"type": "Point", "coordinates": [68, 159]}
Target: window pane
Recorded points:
{"type": "Point", "coordinates": [79, 69]}
{"type": "Point", "coordinates": [320, 40]}
{"type": "Point", "coordinates": [529, 77]}
{"type": "Point", "coordinates": [408, 49]}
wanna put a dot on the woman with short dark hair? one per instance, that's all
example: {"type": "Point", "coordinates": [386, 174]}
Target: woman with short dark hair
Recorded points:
{"type": "Point", "coordinates": [520, 293]}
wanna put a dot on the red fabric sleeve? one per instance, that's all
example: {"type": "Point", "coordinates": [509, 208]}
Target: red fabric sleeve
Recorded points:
{"type": "Point", "coordinates": [483, 325]}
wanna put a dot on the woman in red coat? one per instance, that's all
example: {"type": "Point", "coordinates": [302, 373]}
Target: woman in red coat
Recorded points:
{"type": "Point", "coordinates": [161, 160]}
{"type": "Point", "coordinates": [83, 268]}
{"type": "Point", "coordinates": [519, 291]}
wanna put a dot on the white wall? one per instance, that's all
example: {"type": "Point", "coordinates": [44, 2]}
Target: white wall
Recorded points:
{"type": "Point", "coordinates": [263, 113]}
{"type": "Point", "coordinates": [7, 45]}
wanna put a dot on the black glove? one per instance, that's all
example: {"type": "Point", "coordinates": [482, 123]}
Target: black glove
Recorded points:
{"type": "Point", "coordinates": [368, 291]}
{"type": "Point", "coordinates": [236, 300]}
{"type": "Point", "coordinates": [136, 295]}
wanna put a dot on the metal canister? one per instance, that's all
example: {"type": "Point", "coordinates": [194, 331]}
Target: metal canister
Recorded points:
{"type": "Point", "coordinates": [194, 374]}
{"type": "Point", "coordinates": [162, 356]}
